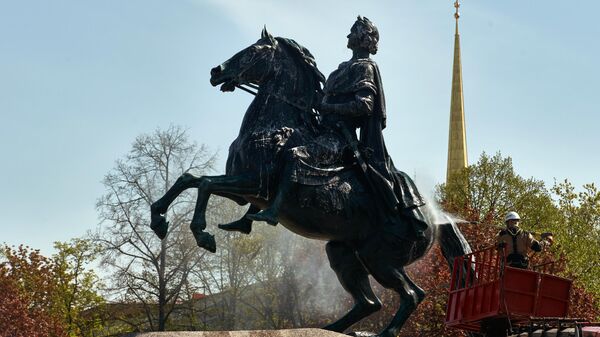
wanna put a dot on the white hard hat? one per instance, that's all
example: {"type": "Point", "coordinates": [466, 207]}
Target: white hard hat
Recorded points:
{"type": "Point", "coordinates": [512, 216]}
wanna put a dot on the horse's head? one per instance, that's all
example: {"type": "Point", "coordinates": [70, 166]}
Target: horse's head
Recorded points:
{"type": "Point", "coordinates": [251, 65]}
{"type": "Point", "coordinates": [282, 61]}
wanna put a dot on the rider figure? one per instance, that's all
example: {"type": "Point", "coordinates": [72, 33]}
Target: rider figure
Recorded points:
{"type": "Point", "coordinates": [354, 99]}
{"type": "Point", "coordinates": [516, 242]}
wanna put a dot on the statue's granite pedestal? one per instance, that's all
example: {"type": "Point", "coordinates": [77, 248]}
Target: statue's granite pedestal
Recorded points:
{"type": "Point", "coordinates": [255, 333]}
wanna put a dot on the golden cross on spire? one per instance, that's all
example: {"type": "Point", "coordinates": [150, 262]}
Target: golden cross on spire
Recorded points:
{"type": "Point", "coordinates": [456, 14]}
{"type": "Point", "coordinates": [456, 5]}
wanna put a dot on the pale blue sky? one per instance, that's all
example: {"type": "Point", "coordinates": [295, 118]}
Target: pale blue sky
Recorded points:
{"type": "Point", "coordinates": [79, 80]}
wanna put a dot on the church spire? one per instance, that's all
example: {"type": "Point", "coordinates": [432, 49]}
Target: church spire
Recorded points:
{"type": "Point", "coordinates": [457, 140]}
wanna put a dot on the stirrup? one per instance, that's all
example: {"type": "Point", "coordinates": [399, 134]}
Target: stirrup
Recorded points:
{"type": "Point", "coordinates": [265, 216]}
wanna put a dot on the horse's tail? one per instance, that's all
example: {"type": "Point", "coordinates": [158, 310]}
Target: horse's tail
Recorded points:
{"type": "Point", "coordinates": [452, 242]}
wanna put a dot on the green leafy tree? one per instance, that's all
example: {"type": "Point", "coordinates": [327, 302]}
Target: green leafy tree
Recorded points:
{"type": "Point", "coordinates": [81, 305]}
{"type": "Point", "coordinates": [486, 191]}
{"type": "Point", "coordinates": [578, 226]}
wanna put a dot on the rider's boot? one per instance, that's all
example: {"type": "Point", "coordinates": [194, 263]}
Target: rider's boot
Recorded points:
{"type": "Point", "coordinates": [243, 225]}
{"type": "Point", "coordinates": [391, 204]}
{"type": "Point", "coordinates": [271, 214]}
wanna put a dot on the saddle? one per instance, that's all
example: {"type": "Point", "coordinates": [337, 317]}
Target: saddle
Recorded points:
{"type": "Point", "coordinates": [320, 167]}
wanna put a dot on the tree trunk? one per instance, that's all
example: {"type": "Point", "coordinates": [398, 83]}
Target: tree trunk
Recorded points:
{"type": "Point", "coordinates": [162, 286]}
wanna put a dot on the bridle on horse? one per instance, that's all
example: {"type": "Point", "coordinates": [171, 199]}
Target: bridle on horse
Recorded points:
{"type": "Point", "coordinates": [248, 87]}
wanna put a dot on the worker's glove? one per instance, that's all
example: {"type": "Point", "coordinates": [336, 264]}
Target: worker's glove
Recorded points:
{"type": "Point", "coordinates": [548, 237]}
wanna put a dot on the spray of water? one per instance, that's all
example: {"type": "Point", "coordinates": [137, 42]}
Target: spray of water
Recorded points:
{"type": "Point", "coordinates": [316, 283]}
{"type": "Point", "coordinates": [305, 270]}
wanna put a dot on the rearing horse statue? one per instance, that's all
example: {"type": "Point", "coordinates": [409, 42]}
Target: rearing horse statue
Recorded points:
{"type": "Point", "coordinates": [335, 205]}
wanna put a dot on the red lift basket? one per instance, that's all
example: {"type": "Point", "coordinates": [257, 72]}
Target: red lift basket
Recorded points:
{"type": "Point", "coordinates": [484, 289]}
{"type": "Point", "coordinates": [591, 331]}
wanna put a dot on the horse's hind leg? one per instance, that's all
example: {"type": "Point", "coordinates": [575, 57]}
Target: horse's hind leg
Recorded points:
{"type": "Point", "coordinates": [389, 272]}
{"type": "Point", "coordinates": [355, 279]}
{"type": "Point", "coordinates": [410, 297]}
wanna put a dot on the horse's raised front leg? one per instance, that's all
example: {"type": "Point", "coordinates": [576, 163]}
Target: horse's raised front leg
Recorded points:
{"type": "Point", "coordinates": [158, 223]}
{"type": "Point", "coordinates": [224, 185]}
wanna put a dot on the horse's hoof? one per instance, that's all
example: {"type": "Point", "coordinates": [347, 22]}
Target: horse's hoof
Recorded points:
{"type": "Point", "coordinates": [242, 226]}
{"type": "Point", "coordinates": [206, 241]}
{"type": "Point", "coordinates": [159, 225]}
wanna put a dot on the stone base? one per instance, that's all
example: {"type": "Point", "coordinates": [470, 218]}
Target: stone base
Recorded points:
{"type": "Point", "coordinates": [255, 333]}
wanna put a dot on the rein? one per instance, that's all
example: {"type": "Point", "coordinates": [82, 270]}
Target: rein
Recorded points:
{"type": "Point", "coordinates": [240, 86]}
{"type": "Point", "coordinates": [316, 117]}
{"type": "Point", "coordinates": [281, 98]}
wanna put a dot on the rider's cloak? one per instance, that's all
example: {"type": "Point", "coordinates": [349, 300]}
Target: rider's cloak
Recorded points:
{"type": "Point", "coordinates": [359, 75]}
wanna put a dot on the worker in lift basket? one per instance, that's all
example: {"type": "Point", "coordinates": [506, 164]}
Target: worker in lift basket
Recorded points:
{"type": "Point", "coordinates": [516, 242]}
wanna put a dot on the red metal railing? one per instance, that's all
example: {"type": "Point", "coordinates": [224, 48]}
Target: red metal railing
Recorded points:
{"type": "Point", "coordinates": [546, 267]}
{"type": "Point", "coordinates": [476, 269]}
{"type": "Point", "coordinates": [474, 290]}
{"type": "Point", "coordinates": [483, 288]}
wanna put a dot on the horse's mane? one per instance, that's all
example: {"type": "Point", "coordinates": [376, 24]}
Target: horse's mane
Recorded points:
{"type": "Point", "coordinates": [306, 60]}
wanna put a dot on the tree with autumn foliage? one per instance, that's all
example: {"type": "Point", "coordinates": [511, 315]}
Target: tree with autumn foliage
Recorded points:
{"type": "Point", "coordinates": [41, 296]}
{"type": "Point", "coordinates": [29, 300]}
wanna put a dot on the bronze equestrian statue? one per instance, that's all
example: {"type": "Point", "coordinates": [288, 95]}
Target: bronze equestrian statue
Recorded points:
{"type": "Point", "coordinates": [354, 99]}
{"type": "Point", "coordinates": [308, 171]}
